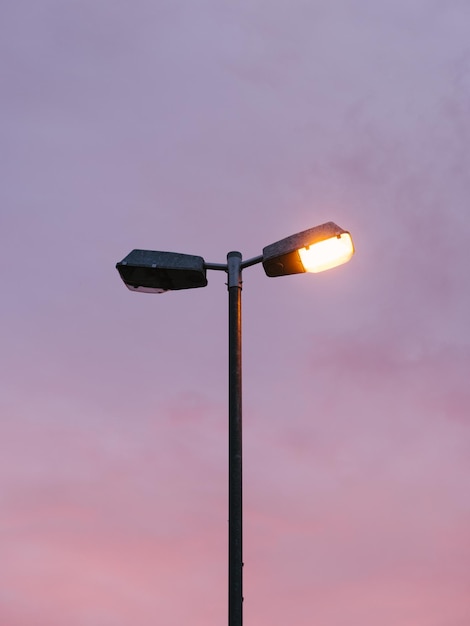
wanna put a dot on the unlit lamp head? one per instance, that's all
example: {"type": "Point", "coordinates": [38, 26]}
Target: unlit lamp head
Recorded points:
{"type": "Point", "coordinates": [149, 271]}
{"type": "Point", "coordinates": [315, 250]}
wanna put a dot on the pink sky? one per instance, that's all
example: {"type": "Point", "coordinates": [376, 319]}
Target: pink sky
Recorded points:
{"type": "Point", "coordinates": [202, 127]}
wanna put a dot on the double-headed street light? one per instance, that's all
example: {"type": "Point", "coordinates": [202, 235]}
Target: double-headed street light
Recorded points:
{"type": "Point", "coordinates": [314, 250]}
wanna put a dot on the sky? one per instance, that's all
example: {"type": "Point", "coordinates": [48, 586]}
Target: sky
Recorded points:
{"type": "Point", "coordinates": [201, 127]}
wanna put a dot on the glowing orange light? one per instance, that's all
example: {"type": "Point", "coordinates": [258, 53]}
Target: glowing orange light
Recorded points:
{"type": "Point", "coordinates": [328, 253]}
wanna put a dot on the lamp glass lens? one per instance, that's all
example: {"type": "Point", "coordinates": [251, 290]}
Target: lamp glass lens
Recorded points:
{"type": "Point", "coordinates": [328, 253]}
{"type": "Point", "coordinates": [146, 289]}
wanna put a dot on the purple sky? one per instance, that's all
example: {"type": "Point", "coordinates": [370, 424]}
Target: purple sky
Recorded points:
{"type": "Point", "coordinates": [202, 127]}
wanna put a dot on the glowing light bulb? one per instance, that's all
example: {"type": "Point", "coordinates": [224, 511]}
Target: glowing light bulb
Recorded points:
{"type": "Point", "coordinates": [328, 253]}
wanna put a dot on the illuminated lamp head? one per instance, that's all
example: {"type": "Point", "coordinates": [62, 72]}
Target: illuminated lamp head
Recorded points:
{"type": "Point", "coordinates": [315, 250]}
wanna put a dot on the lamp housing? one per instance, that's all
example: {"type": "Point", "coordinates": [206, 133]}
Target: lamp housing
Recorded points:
{"type": "Point", "coordinates": [149, 271]}
{"type": "Point", "coordinates": [314, 250]}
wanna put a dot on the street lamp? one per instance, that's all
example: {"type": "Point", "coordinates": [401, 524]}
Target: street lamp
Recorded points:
{"type": "Point", "coordinates": [314, 250]}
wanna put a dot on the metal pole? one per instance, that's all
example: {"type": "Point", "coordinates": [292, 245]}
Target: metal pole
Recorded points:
{"type": "Point", "coordinates": [235, 516]}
